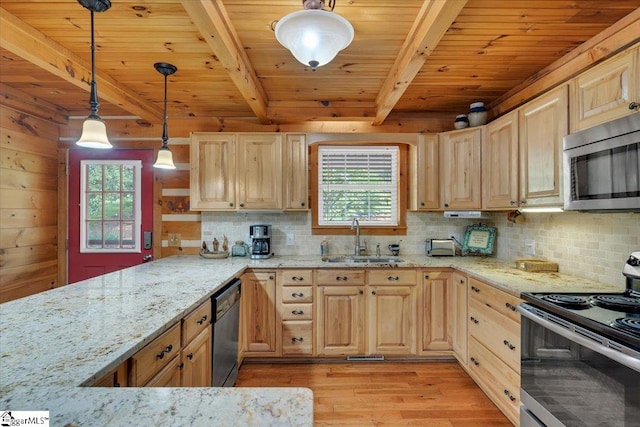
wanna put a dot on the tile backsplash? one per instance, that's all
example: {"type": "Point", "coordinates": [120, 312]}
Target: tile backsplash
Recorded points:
{"type": "Point", "coordinates": [589, 245]}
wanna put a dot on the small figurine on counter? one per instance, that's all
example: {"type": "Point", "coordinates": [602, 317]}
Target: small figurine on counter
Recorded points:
{"type": "Point", "coordinates": [225, 244]}
{"type": "Point", "coordinates": [215, 245]}
{"type": "Point", "coordinates": [204, 246]}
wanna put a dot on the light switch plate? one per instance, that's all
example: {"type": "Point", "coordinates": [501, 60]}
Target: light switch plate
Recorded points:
{"type": "Point", "coordinates": [291, 238]}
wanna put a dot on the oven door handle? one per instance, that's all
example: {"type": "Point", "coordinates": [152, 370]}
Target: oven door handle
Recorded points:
{"type": "Point", "coordinates": [569, 332]}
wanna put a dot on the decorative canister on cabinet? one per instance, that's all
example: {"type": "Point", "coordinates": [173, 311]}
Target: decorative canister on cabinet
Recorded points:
{"type": "Point", "coordinates": [477, 114]}
{"type": "Point", "coordinates": [461, 121]}
{"type": "Point", "coordinates": [239, 249]}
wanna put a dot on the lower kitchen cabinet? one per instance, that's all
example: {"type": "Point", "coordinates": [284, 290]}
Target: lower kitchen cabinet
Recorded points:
{"type": "Point", "coordinates": [340, 320]}
{"type": "Point", "coordinates": [458, 308]}
{"type": "Point", "coordinates": [258, 313]}
{"type": "Point", "coordinates": [436, 292]}
{"type": "Point", "coordinates": [295, 308]}
{"type": "Point", "coordinates": [169, 376]}
{"type": "Point", "coordinates": [196, 360]}
{"type": "Point", "coordinates": [150, 362]}
{"type": "Point", "coordinates": [115, 378]}
{"type": "Point", "coordinates": [297, 338]}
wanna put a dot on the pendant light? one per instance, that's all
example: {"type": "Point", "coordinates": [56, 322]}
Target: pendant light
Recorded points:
{"type": "Point", "coordinates": [314, 35]}
{"type": "Point", "coordinates": [165, 158]}
{"type": "Point", "coordinates": [94, 132]}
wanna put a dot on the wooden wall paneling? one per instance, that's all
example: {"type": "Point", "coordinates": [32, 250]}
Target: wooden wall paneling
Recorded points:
{"type": "Point", "coordinates": [63, 223]}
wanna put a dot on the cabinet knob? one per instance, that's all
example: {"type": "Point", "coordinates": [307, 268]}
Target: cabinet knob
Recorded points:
{"type": "Point", "coordinates": [508, 344]}
{"type": "Point", "coordinates": [302, 204]}
{"type": "Point", "coordinates": [297, 312]}
{"type": "Point", "coordinates": [296, 339]}
{"type": "Point", "coordinates": [393, 278]}
{"type": "Point", "coordinates": [202, 320]}
{"type": "Point", "coordinates": [270, 277]}
{"type": "Point", "coordinates": [446, 205]}
{"type": "Point", "coordinates": [361, 292]}
{"type": "Point", "coordinates": [373, 292]}
{"type": "Point", "coordinates": [190, 356]}
{"type": "Point", "coordinates": [231, 204]}
{"type": "Point", "coordinates": [474, 289]}
{"type": "Point", "coordinates": [180, 365]}
{"type": "Point", "coordinates": [474, 320]}
{"type": "Point", "coordinates": [426, 276]}
{"type": "Point", "coordinates": [242, 205]}
{"type": "Point", "coordinates": [421, 203]}
{"type": "Point", "coordinates": [522, 202]}
{"type": "Point", "coordinates": [474, 361]}
{"type": "Point", "coordinates": [297, 294]}
{"type": "Point", "coordinates": [510, 306]}
{"type": "Point", "coordinates": [634, 106]}
{"type": "Point", "coordinates": [509, 395]}
{"type": "Point", "coordinates": [462, 281]}
{"type": "Point", "coordinates": [512, 202]}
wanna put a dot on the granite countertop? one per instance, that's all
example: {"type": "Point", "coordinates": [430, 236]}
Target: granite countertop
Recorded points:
{"type": "Point", "coordinates": [53, 342]}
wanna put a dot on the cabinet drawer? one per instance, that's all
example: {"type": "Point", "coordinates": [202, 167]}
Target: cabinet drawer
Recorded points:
{"type": "Point", "coordinates": [297, 338]}
{"type": "Point", "coordinates": [296, 311]}
{"type": "Point", "coordinates": [196, 321]}
{"type": "Point", "coordinates": [169, 376]}
{"type": "Point", "coordinates": [501, 383]}
{"type": "Point", "coordinates": [392, 277]}
{"type": "Point", "coordinates": [155, 356]}
{"type": "Point", "coordinates": [498, 333]}
{"type": "Point", "coordinates": [296, 294]}
{"type": "Point", "coordinates": [500, 301]}
{"type": "Point", "coordinates": [295, 277]}
{"type": "Point", "coordinates": [340, 277]}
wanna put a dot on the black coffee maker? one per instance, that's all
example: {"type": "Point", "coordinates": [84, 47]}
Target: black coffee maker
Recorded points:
{"type": "Point", "coordinates": [260, 241]}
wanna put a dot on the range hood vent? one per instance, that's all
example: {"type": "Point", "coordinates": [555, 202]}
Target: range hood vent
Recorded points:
{"type": "Point", "coordinates": [467, 214]}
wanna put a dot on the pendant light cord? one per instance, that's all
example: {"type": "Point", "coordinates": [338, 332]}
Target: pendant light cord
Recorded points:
{"type": "Point", "coordinates": [165, 132]}
{"type": "Point", "coordinates": [93, 99]}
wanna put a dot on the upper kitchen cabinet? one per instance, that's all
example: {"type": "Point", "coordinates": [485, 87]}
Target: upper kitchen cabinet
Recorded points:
{"type": "Point", "coordinates": [604, 92]}
{"type": "Point", "coordinates": [236, 171]}
{"type": "Point", "coordinates": [296, 190]}
{"type": "Point", "coordinates": [213, 169]}
{"type": "Point", "coordinates": [259, 171]}
{"type": "Point", "coordinates": [460, 169]}
{"type": "Point", "coordinates": [500, 163]}
{"type": "Point", "coordinates": [425, 176]}
{"type": "Point", "coordinates": [542, 124]}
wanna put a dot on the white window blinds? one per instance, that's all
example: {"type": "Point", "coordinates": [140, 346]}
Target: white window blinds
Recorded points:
{"type": "Point", "coordinates": [358, 182]}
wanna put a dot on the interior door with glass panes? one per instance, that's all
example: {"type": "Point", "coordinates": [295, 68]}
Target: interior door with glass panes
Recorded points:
{"type": "Point", "coordinates": [110, 211]}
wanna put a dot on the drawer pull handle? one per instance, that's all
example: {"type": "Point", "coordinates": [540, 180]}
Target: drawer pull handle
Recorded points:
{"type": "Point", "coordinates": [393, 278]}
{"type": "Point", "coordinates": [270, 277]}
{"type": "Point", "coordinates": [509, 395]}
{"type": "Point", "coordinates": [296, 339]}
{"type": "Point", "coordinates": [340, 278]}
{"type": "Point", "coordinates": [474, 289]}
{"type": "Point", "coordinates": [166, 350]}
{"type": "Point", "coordinates": [190, 356]}
{"type": "Point", "coordinates": [510, 306]}
{"type": "Point", "coordinates": [297, 294]}
{"type": "Point", "coordinates": [180, 365]}
{"type": "Point", "coordinates": [373, 292]}
{"type": "Point", "coordinates": [474, 361]}
{"type": "Point", "coordinates": [474, 320]}
{"type": "Point", "coordinates": [297, 312]}
{"type": "Point", "coordinates": [508, 344]}
{"type": "Point", "coordinates": [160, 355]}
{"type": "Point", "coordinates": [202, 320]}
{"type": "Point", "coordinates": [297, 278]}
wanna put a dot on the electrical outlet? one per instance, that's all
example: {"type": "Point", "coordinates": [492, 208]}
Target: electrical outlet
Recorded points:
{"type": "Point", "coordinates": [529, 246]}
{"type": "Point", "coordinates": [175, 239]}
{"type": "Point", "coordinates": [291, 238]}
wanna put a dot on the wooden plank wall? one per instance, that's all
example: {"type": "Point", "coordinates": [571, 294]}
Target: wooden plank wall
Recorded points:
{"type": "Point", "coordinates": [28, 204]}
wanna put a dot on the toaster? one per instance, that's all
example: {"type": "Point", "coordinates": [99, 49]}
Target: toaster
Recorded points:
{"type": "Point", "coordinates": [441, 247]}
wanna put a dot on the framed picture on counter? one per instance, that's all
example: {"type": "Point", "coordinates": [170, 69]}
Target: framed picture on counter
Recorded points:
{"type": "Point", "coordinates": [479, 239]}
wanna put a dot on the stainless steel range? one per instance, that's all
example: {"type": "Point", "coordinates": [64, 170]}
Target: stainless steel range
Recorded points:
{"type": "Point", "coordinates": [580, 363]}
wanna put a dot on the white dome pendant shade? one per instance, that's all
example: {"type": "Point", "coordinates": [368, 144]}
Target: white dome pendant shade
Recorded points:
{"type": "Point", "coordinates": [164, 159]}
{"type": "Point", "coordinates": [94, 134]}
{"type": "Point", "coordinates": [314, 36]}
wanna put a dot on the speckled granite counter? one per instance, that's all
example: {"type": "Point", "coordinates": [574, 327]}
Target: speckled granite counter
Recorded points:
{"type": "Point", "coordinates": [52, 342]}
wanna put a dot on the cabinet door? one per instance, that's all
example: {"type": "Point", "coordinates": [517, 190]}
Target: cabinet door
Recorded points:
{"type": "Point", "coordinates": [340, 320]}
{"type": "Point", "coordinates": [196, 359]}
{"type": "Point", "coordinates": [460, 169]}
{"type": "Point", "coordinates": [427, 181]}
{"type": "Point", "coordinates": [212, 179]}
{"type": "Point", "coordinates": [436, 292]}
{"type": "Point", "coordinates": [604, 92]}
{"type": "Point", "coordinates": [459, 317]}
{"type": "Point", "coordinates": [542, 124]}
{"type": "Point", "coordinates": [259, 171]}
{"type": "Point", "coordinates": [169, 376]}
{"type": "Point", "coordinates": [115, 378]}
{"type": "Point", "coordinates": [258, 318]}
{"type": "Point", "coordinates": [500, 163]}
{"type": "Point", "coordinates": [296, 190]}
{"type": "Point", "coordinates": [391, 319]}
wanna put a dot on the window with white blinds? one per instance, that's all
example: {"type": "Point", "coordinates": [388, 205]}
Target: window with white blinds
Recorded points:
{"type": "Point", "coordinates": [358, 182]}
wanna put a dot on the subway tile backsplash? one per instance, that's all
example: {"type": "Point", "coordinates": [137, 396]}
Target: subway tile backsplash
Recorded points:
{"type": "Point", "coordinates": [589, 245]}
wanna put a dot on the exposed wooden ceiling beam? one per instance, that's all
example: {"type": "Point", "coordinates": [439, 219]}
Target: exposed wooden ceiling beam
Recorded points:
{"type": "Point", "coordinates": [214, 24]}
{"type": "Point", "coordinates": [431, 24]}
{"type": "Point", "coordinates": [33, 105]}
{"type": "Point", "coordinates": [33, 46]}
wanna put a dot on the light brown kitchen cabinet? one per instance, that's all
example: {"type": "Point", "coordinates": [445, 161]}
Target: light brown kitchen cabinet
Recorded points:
{"type": "Point", "coordinates": [115, 378]}
{"type": "Point", "coordinates": [196, 360]}
{"type": "Point", "coordinates": [436, 292]}
{"type": "Point", "coordinates": [296, 187]}
{"type": "Point", "coordinates": [258, 313]}
{"type": "Point", "coordinates": [604, 92]}
{"type": "Point", "coordinates": [213, 170]}
{"type": "Point", "coordinates": [500, 165]}
{"type": "Point", "coordinates": [542, 123]}
{"type": "Point", "coordinates": [460, 169]}
{"type": "Point", "coordinates": [425, 175]}
{"type": "Point", "coordinates": [169, 376]}
{"type": "Point", "coordinates": [154, 357]}
{"type": "Point", "coordinates": [259, 171]}
{"type": "Point", "coordinates": [458, 310]}
{"type": "Point", "coordinates": [295, 308]}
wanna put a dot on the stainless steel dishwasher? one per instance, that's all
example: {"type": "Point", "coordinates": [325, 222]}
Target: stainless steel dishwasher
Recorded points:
{"type": "Point", "coordinates": [226, 305]}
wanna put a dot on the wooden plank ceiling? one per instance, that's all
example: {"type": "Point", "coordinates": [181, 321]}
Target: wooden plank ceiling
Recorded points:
{"type": "Point", "coordinates": [408, 59]}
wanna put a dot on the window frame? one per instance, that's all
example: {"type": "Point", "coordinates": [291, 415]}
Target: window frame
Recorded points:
{"type": "Point", "coordinates": [381, 230]}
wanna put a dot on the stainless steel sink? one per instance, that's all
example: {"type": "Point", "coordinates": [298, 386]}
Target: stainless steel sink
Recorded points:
{"type": "Point", "coordinates": [363, 259]}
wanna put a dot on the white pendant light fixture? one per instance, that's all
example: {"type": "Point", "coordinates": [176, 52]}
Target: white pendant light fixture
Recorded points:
{"type": "Point", "coordinates": [313, 35]}
{"type": "Point", "coordinates": [94, 132]}
{"type": "Point", "coordinates": [165, 158]}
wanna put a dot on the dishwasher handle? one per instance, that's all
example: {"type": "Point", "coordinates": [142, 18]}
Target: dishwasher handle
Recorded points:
{"type": "Point", "coordinates": [225, 299]}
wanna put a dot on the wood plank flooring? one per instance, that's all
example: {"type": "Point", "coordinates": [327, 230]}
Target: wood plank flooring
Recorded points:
{"type": "Point", "coordinates": [434, 394]}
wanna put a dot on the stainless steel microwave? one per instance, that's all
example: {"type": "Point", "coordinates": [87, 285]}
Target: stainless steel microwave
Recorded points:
{"type": "Point", "coordinates": [601, 167]}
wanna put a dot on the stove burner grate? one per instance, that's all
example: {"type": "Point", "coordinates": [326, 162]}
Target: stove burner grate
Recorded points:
{"type": "Point", "coordinates": [631, 324]}
{"type": "Point", "coordinates": [617, 302]}
{"type": "Point", "coordinates": [568, 301]}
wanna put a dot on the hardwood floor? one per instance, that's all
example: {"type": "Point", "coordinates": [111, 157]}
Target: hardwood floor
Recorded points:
{"type": "Point", "coordinates": [434, 394]}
